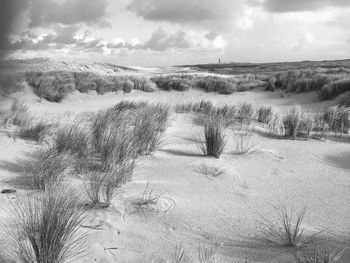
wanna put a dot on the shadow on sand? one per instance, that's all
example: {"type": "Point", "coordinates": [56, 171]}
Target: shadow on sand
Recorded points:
{"type": "Point", "coordinates": [22, 170]}
{"type": "Point", "coordinates": [181, 153]}
{"type": "Point", "coordinates": [341, 160]}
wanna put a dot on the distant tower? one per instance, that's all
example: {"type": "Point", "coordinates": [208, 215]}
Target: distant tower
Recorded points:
{"type": "Point", "coordinates": [219, 61]}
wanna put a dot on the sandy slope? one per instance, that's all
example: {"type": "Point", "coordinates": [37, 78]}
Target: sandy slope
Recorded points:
{"type": "Point", "coordinates": [193, 208]}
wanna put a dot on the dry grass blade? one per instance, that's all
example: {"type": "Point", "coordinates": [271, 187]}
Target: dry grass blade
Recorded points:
{"type": "Point", "coordinates": [179, 254]}
{"type": "Point", "coordinates": [287, 229]}
{"type": "Point", "coordinates": [147, 200]}
{"type": "Point", "coordinates": [48, 227]}
{"type": "Point", "coordinates": [243, 143]}
{"type": "Point", "coordinates": [49, 167]}
{"type": "Point", "coordinates": [207, 254]}
{"type": "Point", "coordinates": [318, 256]}
{"type": "Point", "coordinates": [210, 170]}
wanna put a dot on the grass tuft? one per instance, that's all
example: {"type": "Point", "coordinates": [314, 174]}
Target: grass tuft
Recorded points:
{"type": "Point", "coordinates": [49, 167]}
{"type": "Point", "coordinates": [287, 229]}
{"type": "Point", "coordinates": [48, 227]}
{"type": "Point", "coordinates": [213, 139]}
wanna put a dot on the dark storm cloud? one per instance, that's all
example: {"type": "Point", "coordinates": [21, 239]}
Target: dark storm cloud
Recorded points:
{"type": "Point", "coordinates": [181, 10]}
{"type": "Point", "coordinates": [9, 10]}
{"type": "Point", "coordinates": [47, 12]}
{"type": "Point", "coordinates": [282, 6]}
{"type": "Point", "coordinates": [30, 41]}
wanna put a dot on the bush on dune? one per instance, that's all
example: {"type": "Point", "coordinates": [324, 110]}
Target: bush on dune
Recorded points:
{"type": "Point", "coordinates": [52, 86]}
{"type": "Point", "coordinates": [334, 88]}
{"type": "Point", "coordinates": [217, 84]}
{"type": "Point", "coordinates": [344, 100]}
{"type": "Point", "coordinates": [177, 83]}
{"type": "Point", "coordinates": [143, 84]}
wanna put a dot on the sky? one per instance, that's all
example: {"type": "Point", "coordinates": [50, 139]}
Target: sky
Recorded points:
{"type": "Point", "coordinates": [176, 32]}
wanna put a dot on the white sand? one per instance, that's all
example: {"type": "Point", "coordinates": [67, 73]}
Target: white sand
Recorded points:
{"type": "Point", "coordinates": [220, 210]}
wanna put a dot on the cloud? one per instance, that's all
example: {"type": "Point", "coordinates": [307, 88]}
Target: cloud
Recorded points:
{"type": "Point", "coordinates": [43, 13]}
{"type": "Point", "coordinates": [182, 10]}
{"type": "Point", "coordinates": [304, 41]}
{"type": "Point", "coordinates": [282, 6]}
{"type": "Point", "coordinates": [211, 35]}
{"type": "Point", "coordinates": [161, 41]}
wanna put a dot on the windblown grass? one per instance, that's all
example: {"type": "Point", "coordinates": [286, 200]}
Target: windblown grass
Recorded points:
{"type": "Point", "coordinates": [207, 254]}
{"type": "Point", "coordinates": [242, 138]}
{"type": "Point", "coordinates": [19, 114]}
{"type": "Point", "coordinates": [34, 131]}
{"type": "Point", "coordinates": [49, 167]}
{"type": "Point", "coordinates": [287, 229]}
{"type": "Point", "coordinates": [150, 124]}
{"type": "Point", "coordinates": [48, 227]}
{"type": "Point", "coordinates": [210, 170]}
{"type": "Point", "coordinates": [292, 121]}
{"type": "Point", "coordinates": [103, 183]}
{"type": "Point", "coordinates": [179, 254]}
{"type": "Point", "coordinates": [318, 256]}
